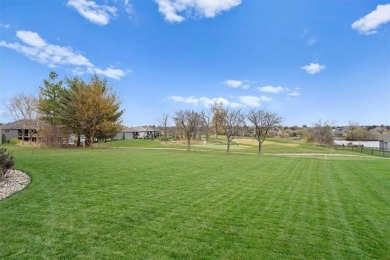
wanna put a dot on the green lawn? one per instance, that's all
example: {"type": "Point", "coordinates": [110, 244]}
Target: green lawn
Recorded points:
{"type": "Point", "coordinates": [270, 146]}
{"type": "Point", "coordinates": [162, 204]}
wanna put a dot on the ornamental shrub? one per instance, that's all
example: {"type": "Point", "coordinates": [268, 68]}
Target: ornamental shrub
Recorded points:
{"type": "Point", "coordinates": [6, 162]}
{"type": "Point", "coordinates": [14, 141]}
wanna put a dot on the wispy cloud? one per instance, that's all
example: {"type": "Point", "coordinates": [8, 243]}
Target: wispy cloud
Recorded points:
{"type": "Point", "coordinates": [313, 68]}
{"type": "Point", "coordinates": [37, 49]}
{"type": "Point", "coordinates": [294, 93]}
{"type": "Point", "coordinates": [6, 26]}
{"type": "Point", "coordinates": [128, 7]}
{"type": "Point", "coordinates": [110, 72]}
{"type": "Point", "coordinates": [278, 90]}
{"type": "Point", "coordinates": [176, 11]}
{"type": "Point", "coordinates": [311, 41]}
{"type": "Point", "coordinates": [31, 38]}
{"type": "Point", "coordinates": [271, 89]}
{"type": "Point", "coordinates": [210, 101]}
{"type": "Point", "coordinates": [188, 100]}
{"type": "Point", "coordinates": [99, 14]}
{"type": "Point", "coordinates": [266, 99]}
{"type": "Point", "coordinates": [369, 23]}
{"type": "Point", "coordinates": [237, 83]}
{"type": "Point", "coordinates": [252, 101]}
{"type": "Point", "coordinates": [202, 100]}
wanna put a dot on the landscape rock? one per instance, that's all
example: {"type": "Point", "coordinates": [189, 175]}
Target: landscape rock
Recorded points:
{"type": "Point", "coordinates": [14, 181]}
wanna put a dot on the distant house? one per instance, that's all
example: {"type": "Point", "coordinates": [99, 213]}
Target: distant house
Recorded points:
{"type": "Point", "coordinates": [21, 129]}
{"type": "Point", "coordinates": [273, 132]}
{"type": "Point", "coordinates": [138, 132]}
{"type": "Point", "coordinates": [292, 133]}
{"type": "Point", "coordinates": [384, 142]}
{"type": "Point", "coordinates": [339, 132]}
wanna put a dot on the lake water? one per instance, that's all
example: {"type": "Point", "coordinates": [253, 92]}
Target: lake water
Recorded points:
{"type": "Point", "coordinates": [373, 144]}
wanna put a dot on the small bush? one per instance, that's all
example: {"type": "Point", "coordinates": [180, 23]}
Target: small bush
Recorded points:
{"type": "Point", "coordinates": [14, 141]}
{"type": "Point", "coordinates": [3, 139]}
{"type": "Point", "coordinates": [6, 162]}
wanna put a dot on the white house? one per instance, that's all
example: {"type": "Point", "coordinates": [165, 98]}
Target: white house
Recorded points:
{"type": "Point", "coordinates": [384, 142]}
{"type": "Point", "coordinates": [139, 132]}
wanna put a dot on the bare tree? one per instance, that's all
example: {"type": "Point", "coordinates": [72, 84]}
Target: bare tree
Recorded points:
{"type": "Point", "coordinates": [231, 121]}
{"type": "Point", "coordinates": [262, 122]}
{"type": "Point", "coordinates": [206, 118]}
{"type": "Point", "coordinates": [217, 108]}
{"type": "Point", "coordinates": [23, 109]}
{"type": "Point", "coordinates": [164, 124]}
{"type": "Point", "coordinates": [321, 132]}
{"type": "Point", "coordinates": [356, 131]}
{"type": "Point", "coordinates": [187, 121]}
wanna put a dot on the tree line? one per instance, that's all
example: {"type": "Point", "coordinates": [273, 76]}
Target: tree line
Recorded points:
{"type": "Point", "coordinates": [68, 107]}
{"type": "Point", "coordinates": [226, 121]}
{"type": "Point", "coordinates": [92, 110]}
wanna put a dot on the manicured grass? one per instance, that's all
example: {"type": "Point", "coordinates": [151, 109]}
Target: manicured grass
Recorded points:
{"type": "Point", "coordinates": [161, 204]}
{"type": "Point", "coordinates": [245, 145]}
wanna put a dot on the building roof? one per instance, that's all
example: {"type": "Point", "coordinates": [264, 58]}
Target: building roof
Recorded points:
{"type": "Point", "coordinates": [384, 137]}
{"type": "Point", "coordinates": [20, 124]}
{"type": "Point", "coordinates": [139, 129]}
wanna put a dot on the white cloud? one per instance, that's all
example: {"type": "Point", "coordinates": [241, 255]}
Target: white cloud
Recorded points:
{"type": "Point", "coordinates": [52, 55]}
{"type": "Point", "coordinates": [307, 36]}
{"type": "Point", "coordinates": [265, 99]}
{"type": "Point", "coordinates": [271, 89]}
{"type": "Point", "coordinates": [99, 14]}
{"type": "Point", "coordinates": [252, 101]}
{"type": "Point", "coordinates": [233, 83]}
{"type": "Point", "coordinates": [110, 72]}
{"type": "Point", "coordinates": [370, 22]}
{"type": "Point", "coordinates": [169, 11]}
{"type": "Point", "coordinates": [179, 10]}
{"type": "Point", "coordinates": [78, 71]}
{"type": "Point", "coordinates": [313, 68]}
{"type": "Point", "coordinates": [31, 38]}
{"type": "Point", "coordinates": [210, 101]}
{"type": "Point", "coordinates": [128, 7]}
{"type": "Point", "coordinates": [3, 113]}
{"type": "Point", "coordinates": [202, 100]}
{"type": "Point", "coordinates": [236, 83]}
{"type": "Point", "coordinates": [235, 105]}
{"type": "Point", "coordinates": [6, 26]}
{"type": "Point", "coordinates": [294, 93]}
{"type": "Point", "coordinates": [189, 100]}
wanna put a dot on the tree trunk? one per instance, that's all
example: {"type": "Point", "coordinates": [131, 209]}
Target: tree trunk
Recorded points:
{"type": "Point", "coordinates": [228, 146]}
{"type": "Point", "coordinates": [260, 143]}
{"type": "Point", "coordinates": [29, 136]}
{"type": "Point", "coordinates": [216, 133]}
{"type": "Point", "coordinates": [90, 141]}
{"type": "Point", "coordinates": [189, 144]}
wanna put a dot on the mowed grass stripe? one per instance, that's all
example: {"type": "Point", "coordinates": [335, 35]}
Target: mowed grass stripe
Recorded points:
{"type": "Point", "coordinates": [366, 201]}
{"type": "Point", "coordinates": [172, 204]}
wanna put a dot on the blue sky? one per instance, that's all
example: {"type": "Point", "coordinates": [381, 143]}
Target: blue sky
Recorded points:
{"type": "Point", "coordinates": [306, 60]}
